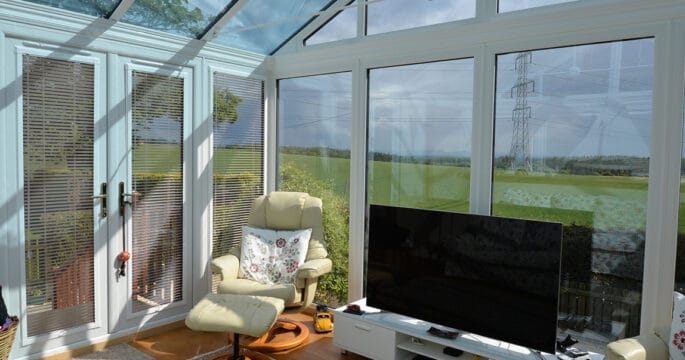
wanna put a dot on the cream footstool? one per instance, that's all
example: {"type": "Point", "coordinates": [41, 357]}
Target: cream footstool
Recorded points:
{"type": "Point", "coordinates": [238, 314]}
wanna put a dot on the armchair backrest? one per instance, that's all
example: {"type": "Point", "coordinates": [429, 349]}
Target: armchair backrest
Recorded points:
{"type": "Point", "coordinates": [283, 210]}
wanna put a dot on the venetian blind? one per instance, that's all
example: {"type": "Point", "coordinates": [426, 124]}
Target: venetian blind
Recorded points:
{"type": "Point", "coordinates": [58, 185]}
{"type": "Point", "coordinates": [238, 159]}
{"type": "Point", "coordinates": [157, 243]}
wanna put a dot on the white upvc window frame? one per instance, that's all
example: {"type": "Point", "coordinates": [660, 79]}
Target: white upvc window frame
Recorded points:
{"type": "Point", "coordinates": [490, 34]}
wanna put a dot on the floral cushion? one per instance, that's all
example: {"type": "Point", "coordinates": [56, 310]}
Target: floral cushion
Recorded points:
{"type": "Point", "coordinates": [271, 256]}
{"type": "Point", "coordinates": [676, 347]}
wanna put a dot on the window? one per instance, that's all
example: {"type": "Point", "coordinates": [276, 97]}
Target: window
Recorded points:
{"type": "Point", "coordinates": [262, 26]}
{"type": "Point", "coordinates": [419, 142]}
{"type": "Point", "coordinates": [342, 26]}
{"type": "Point", "coordinates": [572, 138]}
{"type": "Point", "coordinates": [513, 5]}
{"type": "Point", "coordinates": [314, 128]}
{"type": "Point", "coordinates": [238, 158]}
{"type": "Point", "coordinates": [391, 15]}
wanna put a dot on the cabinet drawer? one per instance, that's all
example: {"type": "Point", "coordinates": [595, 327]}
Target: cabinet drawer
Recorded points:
{"type": "Point", "coordinates": [363, 338]}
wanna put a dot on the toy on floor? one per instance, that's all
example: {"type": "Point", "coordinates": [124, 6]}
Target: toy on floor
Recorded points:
{"type": "Point", "coordinates": [322, 319]}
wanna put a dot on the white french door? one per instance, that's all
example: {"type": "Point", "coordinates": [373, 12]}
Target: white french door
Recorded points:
{"type": "Point", "coordinates": [153, 212]}
{"type": "Point", "coordinates": [103, 161]}
{"type": "Point", "coordinates": [61, 123]}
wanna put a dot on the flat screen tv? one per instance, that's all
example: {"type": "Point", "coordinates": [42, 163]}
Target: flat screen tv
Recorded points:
{"type": "Point", "coordinates": [492, 276]}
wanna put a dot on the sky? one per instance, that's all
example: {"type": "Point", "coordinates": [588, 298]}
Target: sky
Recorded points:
{"type": "Point", "coordinates": [587, 101]}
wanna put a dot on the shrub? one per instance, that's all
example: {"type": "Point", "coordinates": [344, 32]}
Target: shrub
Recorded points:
{"type": "Point", "coordinates": [332, 287]}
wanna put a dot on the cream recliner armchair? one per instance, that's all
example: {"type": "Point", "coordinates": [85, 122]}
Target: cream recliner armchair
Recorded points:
{"type": "Point", "coordinates": [642, 347]}
{"type": "Point", "coordinates": [281, 211]}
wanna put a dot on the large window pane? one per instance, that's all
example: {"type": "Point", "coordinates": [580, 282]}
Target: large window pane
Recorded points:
{"type": "Point", "coordinates": [419, 147]}
{"type": "Point", "coordinates": [342, 26]}
{"type": "Point", "coordinates": [238, 159]}
{"type": "Point", "coordinates": [391, 15]}
{"type": "Point", "coordinates": [572, 138]}
{"type": "Point", "coordinates": [314, 119]}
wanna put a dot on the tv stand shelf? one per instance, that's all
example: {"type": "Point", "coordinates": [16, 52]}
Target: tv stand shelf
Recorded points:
{"type": "Point", "coordinates": [387, 336]}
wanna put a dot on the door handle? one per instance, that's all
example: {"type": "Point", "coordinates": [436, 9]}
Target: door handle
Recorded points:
{"type": "Point", "coordinates": [103, 199]}
{"type": "Point", "coordinates": [122, 198]}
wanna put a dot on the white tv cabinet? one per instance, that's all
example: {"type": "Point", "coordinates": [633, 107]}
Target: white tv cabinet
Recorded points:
{"type": "Point", "coordinates": [386, 336]}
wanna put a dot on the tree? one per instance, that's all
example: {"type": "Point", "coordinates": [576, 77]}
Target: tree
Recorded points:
{"type": "Point", "coordinates": [226, 106]}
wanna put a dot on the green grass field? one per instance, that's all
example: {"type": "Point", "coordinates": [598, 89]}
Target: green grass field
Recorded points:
{"type": "Point", "coordinates": [557, 197]}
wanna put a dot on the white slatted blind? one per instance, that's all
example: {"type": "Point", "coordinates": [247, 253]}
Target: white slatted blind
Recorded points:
{"type": "Point", "coordinates": [238, 159]}
{"type": "Point", "coordinates": [58, 185]}
{"type": "Point", "coordinates": [157, 244]}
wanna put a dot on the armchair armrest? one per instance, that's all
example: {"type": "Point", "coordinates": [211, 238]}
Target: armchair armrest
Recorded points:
{"type": "Point", "coordinates": [643, 347]}
{"type": "Point", "coordinates": [314, 268]}
{"type": "Point", "coordinates": [227, 266]}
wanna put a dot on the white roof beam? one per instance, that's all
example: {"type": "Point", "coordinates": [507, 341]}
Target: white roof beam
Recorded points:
{"type": "Point", "coordinates": [215, 29]}
{"type": "Point", "coordinates": [118, 13]}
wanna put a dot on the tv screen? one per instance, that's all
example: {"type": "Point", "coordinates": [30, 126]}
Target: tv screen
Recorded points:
{"type": "Point", "coordinates": [492, 276]}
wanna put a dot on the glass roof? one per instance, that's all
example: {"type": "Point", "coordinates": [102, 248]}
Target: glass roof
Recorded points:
{"type": "Point", "coordinates": [182, 17]}
{"type": "Point", "coordinates": [99, 8]}
{"type": "Point", "coordinates": [262, 26]}
{"type": "Point", "coordinates": [342, 26]}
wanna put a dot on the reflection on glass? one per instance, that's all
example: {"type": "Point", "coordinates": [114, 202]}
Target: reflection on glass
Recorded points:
{"type": "Point", "coordinates": [341, 26]}
{"type": "Point", "coordinates": [100, 8]}
{"type": "Point", "coordinates": [262, 26]}
{"type": "Point", "coordinates": [572, 138]}
{"type": "Point", "coordinates": [314, 130]}
{"type": "Point", "coordinates": [513, 5]}
{"type": "Point", "coordinates": [419, 147]}
{"type": "Point", "coordinates": [391, 15]}
{"type": "Point", "coordinates": [186, 18]}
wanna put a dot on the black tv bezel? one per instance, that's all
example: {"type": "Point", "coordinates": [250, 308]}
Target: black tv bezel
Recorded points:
{"type": "Point", "coordinates": [549, 335]}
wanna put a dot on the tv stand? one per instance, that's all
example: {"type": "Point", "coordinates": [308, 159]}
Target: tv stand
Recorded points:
{"type": "Point", "coordinates": [382, 335]}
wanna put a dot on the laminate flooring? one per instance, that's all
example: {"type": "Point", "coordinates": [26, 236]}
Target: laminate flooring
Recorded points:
{"type": "Point", "coordinates": [183, 343]}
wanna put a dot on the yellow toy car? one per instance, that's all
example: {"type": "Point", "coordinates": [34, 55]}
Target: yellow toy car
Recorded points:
{"type": "Point", "coordinates": [323, 321]}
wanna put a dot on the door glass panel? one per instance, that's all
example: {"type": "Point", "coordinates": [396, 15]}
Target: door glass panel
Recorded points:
{"type": "Point", "coordinates": [58, 185]}
{"type": "Point", "coordinates": [157, 243]}
{"type": "Point", "coordinates": [572, 139]}
{"type": "Point", "coordinates": [419, 152]}
{"type": "Point", "coordinates": [314, 139]}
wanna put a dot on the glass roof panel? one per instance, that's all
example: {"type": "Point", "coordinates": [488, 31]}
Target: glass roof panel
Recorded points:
{"type": "Point", "coordinates": [391, 15]}
{"type": "Point", "coordinates": [342, 26]}
{"type": "Point", "coordinates": [99, 8]}
{"type": "Point", "coordinates": [262, 26]}
{"type": "Point", "coordinates": [181, 17]}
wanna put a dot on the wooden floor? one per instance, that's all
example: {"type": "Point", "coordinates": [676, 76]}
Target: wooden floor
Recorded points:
{"type": "Point", "coordinates": [183, 343]}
